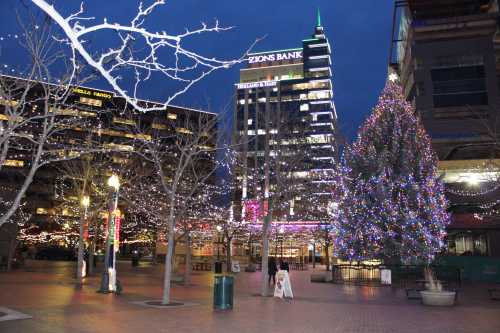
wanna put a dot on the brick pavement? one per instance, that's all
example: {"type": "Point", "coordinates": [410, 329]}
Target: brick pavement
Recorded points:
{"type": "Point", "coordinates": [45, 291]}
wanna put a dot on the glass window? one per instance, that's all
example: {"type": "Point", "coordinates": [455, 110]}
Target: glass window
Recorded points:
{"type": "Point", "coordinates": [459, 86]}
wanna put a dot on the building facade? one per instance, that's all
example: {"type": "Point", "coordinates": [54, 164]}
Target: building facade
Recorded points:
{"type": "Point", "coordinates": [285, 127]}
{"type": "Point", "coordinates": [447, 56]}
{"type": "Point", "coordinates": [51, 209]}
{"type": "Point", "coordinates": [446, 53]}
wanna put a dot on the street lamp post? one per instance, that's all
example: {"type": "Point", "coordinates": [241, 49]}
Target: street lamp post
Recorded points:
{"type": "Point", "coordinates": [108, 280]}
{"type": "Point", "coordinates": [281, 231]}
{"type": "Point", "coordinates": [85, 202]}
{"type": "Point", "coordinates": [314, 252]}
{"type": "Point", "coordinates": [219, 229]}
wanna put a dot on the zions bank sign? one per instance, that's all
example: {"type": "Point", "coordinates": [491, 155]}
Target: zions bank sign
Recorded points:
{"type": "Point", "coordinates": [290, 55]}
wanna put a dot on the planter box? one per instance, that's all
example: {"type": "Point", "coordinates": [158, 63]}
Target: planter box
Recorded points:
{"type": "Point", "coordinates": [438, 298]}
{"type": "Point", "coordinates": [318, 278]}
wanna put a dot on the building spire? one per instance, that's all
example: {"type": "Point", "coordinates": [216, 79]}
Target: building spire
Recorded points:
{"type": "Point", "coordinates": [318, 19]}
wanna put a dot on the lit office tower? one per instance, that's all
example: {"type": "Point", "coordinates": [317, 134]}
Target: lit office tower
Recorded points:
{"type": "Point", "coordinates": [284, 130]}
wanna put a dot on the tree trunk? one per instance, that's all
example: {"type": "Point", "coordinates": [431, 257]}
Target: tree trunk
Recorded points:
{"type": "Point", "coordinates": [187, 271]}
{"type": "Point", "coordinates": [79, 266]}
{"type": "Point", "coordinates": [153, 250]}
{"type": "Point", "coordinates": [12, 251]}
{"type": "Point", "coordinates": [228, 255]}
{"type": "Point", "coordinates": [314, 255]}
{"type": "Point", "coordinates": [327, 259]}
{"type": "Point", "coordinates": [168, 260]}
{"type": "Point", "coordinates": [250, 251]}
{"type": "Point", "coordinates": [91, 255]}
{"type": "Point", "coordinates": [175, 266]}
{"type": "Point", "coordinates": [265, 256]}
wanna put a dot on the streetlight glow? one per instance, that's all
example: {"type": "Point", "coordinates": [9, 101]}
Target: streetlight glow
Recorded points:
{"type": "Point", "coordinates": [114, 182]}
{"type": "Point", "coordinates": [86, 201]}
{"type": "Point", "coordinates": [219, 228]}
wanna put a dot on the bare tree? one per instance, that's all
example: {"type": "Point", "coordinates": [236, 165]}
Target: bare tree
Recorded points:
{"type": "Point", "coordinates": [139, 52]}
{"type": "Point", "coordinates": [181, 155]}
{"type": "Point", "coordinates": [86, 196]}
{"type": "Point", "coordinates": [36, 115]}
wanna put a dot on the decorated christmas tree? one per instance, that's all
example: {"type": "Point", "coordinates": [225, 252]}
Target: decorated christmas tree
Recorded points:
{"type": "Point", "coordinates": [390, 198]}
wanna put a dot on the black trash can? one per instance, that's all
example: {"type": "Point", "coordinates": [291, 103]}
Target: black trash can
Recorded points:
{"type": "Point", "coordinates": [223, 292]}
{"type": "Point", "coordinates": [218, 267]}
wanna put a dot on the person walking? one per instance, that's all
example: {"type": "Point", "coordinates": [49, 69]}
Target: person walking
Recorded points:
{"type": "Point", "coordinates": [284, 266]}
{"type": "Point", "coordinates": [272, 268]}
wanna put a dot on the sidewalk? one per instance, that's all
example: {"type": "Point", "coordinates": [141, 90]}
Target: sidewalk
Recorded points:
{"type": "Point", "coordinates": [45, 291]}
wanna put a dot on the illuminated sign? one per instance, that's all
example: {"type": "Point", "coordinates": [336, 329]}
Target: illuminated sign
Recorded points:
{"type": "Point", "coordinates": [92, 93]}
{"type": "Point", "coordinates": [261, 84]}
{"type": "Point", "coordinates": [291, 55]}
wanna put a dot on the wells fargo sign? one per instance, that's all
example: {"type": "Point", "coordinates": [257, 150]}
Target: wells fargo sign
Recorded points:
{"type": "Point", "coordinates": [92, 93]}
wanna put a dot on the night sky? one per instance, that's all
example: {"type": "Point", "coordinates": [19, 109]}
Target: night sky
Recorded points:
{"type": "Point", "coordinates": [359, 33]}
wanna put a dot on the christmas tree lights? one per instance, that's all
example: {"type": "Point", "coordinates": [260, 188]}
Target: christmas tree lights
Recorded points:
{"type": "Point", "coordinates": [391, 201]}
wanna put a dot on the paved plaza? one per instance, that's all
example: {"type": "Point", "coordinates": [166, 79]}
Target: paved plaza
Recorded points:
{"type": "Point", "coordinates": [45, 292]}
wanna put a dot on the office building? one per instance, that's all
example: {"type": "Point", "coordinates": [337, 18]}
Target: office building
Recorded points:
{"type": "Point", "coordinates": [285, 127]}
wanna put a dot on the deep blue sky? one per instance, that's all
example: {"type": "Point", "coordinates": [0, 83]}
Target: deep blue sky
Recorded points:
{"type": "Point", "coordinates": [359, 33]}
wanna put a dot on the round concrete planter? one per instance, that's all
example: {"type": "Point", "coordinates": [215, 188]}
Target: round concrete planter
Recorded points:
{"type": "Point", "coordinates": [438, 298]}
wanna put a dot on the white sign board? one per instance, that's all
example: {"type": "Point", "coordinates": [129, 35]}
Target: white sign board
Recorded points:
{"type": "Point", "coordinates": [385, 276]}
{"type": "Point", "coordinates": [235, 267]}
{"type": "Point", "coordinates": [283, 287]}
{"type": "Point", "coordinates": [252, 85]}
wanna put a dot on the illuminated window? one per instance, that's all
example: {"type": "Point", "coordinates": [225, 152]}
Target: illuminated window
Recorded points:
{"type": "Point", "coordinates": [7, 102]}
{"type": "Point", "coordinates": [138, 136]}
{"type": "Point", "coordinates": [14, 163]}
{"type": "Point", "coordinates": [250, 121]}
{"type": "Point", "coordinates": [319, 138]}
{"type": "Point", "coordinates": [71, 112]}
{"type": "Point", "coordinates": [205, 147]}
{"type": "Point", "coordinates": [322, 94]}
{"type": "Point", "coordinates": [159, 126]}
{"type": "Point", "coordinates": [304, 107]}
{"type": "Point", "coordinates": [125, 121]}
{"type": "Point", "coordinates": [42, 211]}
{"type": "Point", "coordinates": [91, 101]}
{"type": "Point", "coordinates": [183, 130]}
{"type": "Point", "coordinates": [116, 146]}
{"type": "Point", "coordinates": [119, 160]}
{"type": "Point", "coordinates": [172, 116]}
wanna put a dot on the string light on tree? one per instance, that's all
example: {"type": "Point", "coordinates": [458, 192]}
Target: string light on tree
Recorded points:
{"type": "Point", "coordinates": [391, 201]}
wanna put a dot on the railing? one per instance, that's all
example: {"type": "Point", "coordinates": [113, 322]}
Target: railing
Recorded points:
{"type": "Point", "coordinates": [356, 274]}
{"type": "Point", "coordinates": [202, 266]}
{"type": "Point", "coordinates": [294, 266]}
{"type": "Point", "coordinates": [400, 274]}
